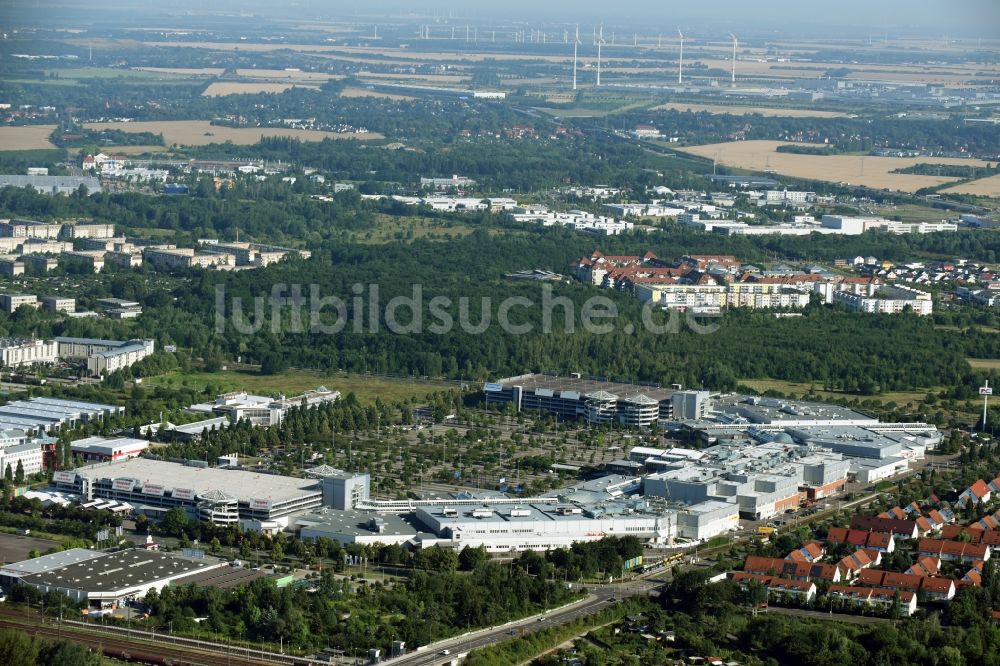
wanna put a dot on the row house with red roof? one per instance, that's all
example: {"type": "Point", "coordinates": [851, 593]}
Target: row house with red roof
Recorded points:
{"type": "Point", "coordinates": [802, 571]}
{"type": "Point", "coordinates": [939, 589]}
{"type": "Point", "coordinates": [975, 535]}
{"type": "Point", "coordinates": [779, 588]}
{"type": "Point", "coordinates": [871, 597]}
{"type": "Point", "coordinates": [957, 551]}
{"type": "Point", "coordinates": [882, 542]}
{"type": "Point", "coordinates": [901, 529]}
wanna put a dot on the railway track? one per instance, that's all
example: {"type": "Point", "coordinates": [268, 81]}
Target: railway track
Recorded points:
{"type": "Point", "coordinates": [140, 647]}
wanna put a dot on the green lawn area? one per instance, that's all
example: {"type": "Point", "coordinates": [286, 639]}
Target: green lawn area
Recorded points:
{"type": "Point", "coordinates": [390, 228]}
{"type": "Point", "coordinates": [293, 382]}
{"type": "Point", "coordinates": [799, 388]}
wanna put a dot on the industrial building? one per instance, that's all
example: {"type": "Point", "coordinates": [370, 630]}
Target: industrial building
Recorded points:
{"type": "Point", "coordinates": [761, 479]}
{"type": "Point", "coordinates": [361, 527]}
{"type": "Point", "coordinates": [544, 526]}
{"type": "Point", "coordinates": [41, 415]}
{"type": "Point", "coordinates": [594, 400]}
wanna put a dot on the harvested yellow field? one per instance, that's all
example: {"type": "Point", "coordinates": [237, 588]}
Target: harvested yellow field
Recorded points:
{"type": "Point", "coordinates": [426, 78]}
{"type": "Point", "coordinates": [290, 74]}
{"type": "Point", "coordinates": [223, 88]}
{"type": "Point", "coordinates": [364, 92]}
{"type": "Point", "coordinates": [139, 150]}
{"type": "Point", "coordinates": [875, 172]}
{"type": "Point", "coordinates": [984, 187]}
{"type": "Point", "coordinates": [26, 137]}
{"type": "Point", "coordinates": [201, 132]}
{"type": "Point", "coordinates": [762, 110]}
{"type": "Point", "coordinates": [184, 71]}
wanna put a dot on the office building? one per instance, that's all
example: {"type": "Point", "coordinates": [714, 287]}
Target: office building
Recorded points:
{"type": "Point", "coordinates": [596, 401]}
{"type": "Point", "coordinates": [15, 352]}
{"type": "Point", "coordinates": [104, 356]}
{"type": "Point", "coordinates": [104, 449]}
{"type": "Point", "coordinates": [262, 410]}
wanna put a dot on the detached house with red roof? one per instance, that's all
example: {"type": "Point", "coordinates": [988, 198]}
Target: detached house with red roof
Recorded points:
{"type": "Point", "coordinates": [809, 552]}
{"type": "Point", "coordinates": [852, 565]}
{"type": "Point", "coordinates": [925, 566]}
{"type": "Point", "coordinates": [977, 493]}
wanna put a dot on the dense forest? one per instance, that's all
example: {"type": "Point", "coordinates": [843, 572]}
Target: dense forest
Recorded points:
{"type": "Point", "coordinates": [851, 352]}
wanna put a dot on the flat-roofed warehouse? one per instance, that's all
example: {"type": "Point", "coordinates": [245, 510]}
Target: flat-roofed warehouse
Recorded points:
{"type": "Point", "coordinates": [39, 415]}
{"type": "Point", "coordinates": [115, 578]}
{"type": "Point", "coordinates": [596, 400]}
{"type": "Point", "coordinates": [15, 571]}
{"type": "Point", "coordinates": [221, 496]}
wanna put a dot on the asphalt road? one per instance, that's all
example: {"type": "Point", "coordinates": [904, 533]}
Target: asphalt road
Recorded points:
{"type": "Point", "coordinates": [460, 645]}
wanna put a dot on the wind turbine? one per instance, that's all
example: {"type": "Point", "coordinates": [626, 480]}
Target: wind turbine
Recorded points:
{"type": "Point", "coordinates": [600, 42]}
{"type": "Point", "coordinates": [735, 42]}
{"type": "Point", "coordinates": [576, 44]}
{"type": "Point", "coordinates": [680, 61]}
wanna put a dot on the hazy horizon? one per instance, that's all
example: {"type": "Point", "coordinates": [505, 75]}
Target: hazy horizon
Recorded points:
{"type": "Point", "coordinates": [960, 18]}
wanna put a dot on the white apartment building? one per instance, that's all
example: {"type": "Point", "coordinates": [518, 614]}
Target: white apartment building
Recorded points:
{"type": "Point", "coordinates": [28, 453]}
{"type": "Point", "coordinates": [11, 302]}
{"type": "Point", "coordinates": [888, 300]}
{"type": "Point", "coordinates": [682, 296]}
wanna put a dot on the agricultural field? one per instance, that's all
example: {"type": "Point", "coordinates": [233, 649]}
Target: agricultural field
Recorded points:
{"type": "Point", "coordinates": [293, 382]}
{"type": "Point", "coordinates": [423, 78]}
{"type": "Point", "coordinates": [983, 187]}
{"type": "Point", "coordinates": [223, 88]}
{"type": "Point", "coordinates": [351, 92]}
{"type": "Point", "coordinates": [201, 132]}
{"type": "Point", "coordinates": [289, 74]}
{"type": "Point", "coordinates": [184, 71]}
{"type": "Point", "coordinates": [743, 110]}
{"type": "Point", "coordinates": [984, 363]}
{"type": "Point", "coordinates": [875, 172]}
{"type": "Point", "coordinates": [941, 75]}
{"type": "Point", "coordinates": [26, 137]}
